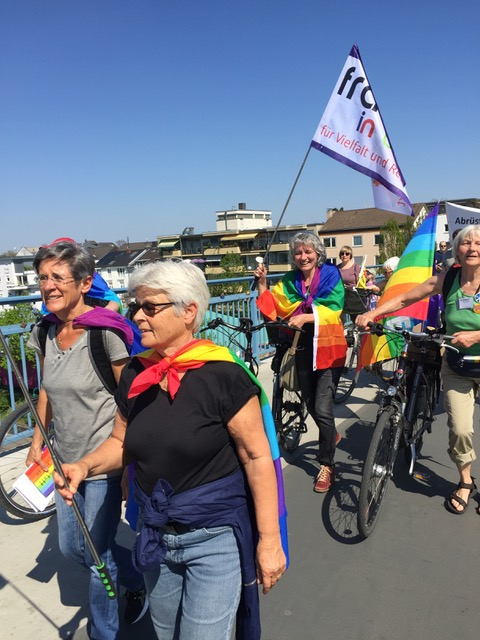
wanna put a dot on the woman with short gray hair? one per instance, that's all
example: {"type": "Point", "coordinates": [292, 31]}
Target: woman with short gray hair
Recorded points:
{"type": "Point", "coordinates": [311, 298]}
{"type": "Point", "coordinates": [189, 417]}
{"type": "Point", "coordinates": [460, 286]}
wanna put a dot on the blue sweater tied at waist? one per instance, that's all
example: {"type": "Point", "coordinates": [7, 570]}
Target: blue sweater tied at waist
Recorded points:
{"type": "Point", "coordinates": [219, 503]}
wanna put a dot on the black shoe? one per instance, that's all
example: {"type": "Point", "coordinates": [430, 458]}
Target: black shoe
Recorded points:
{"type": "Point", "coordinates": [136, 607]}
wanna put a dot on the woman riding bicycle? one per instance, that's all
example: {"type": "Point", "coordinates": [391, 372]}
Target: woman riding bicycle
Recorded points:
{"type": "Point", "coordinates": [311, 297]}
{"type": "Point", "coordinates": [460, 382]}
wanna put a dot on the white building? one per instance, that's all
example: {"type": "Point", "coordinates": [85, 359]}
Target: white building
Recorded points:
{"type": "Point", "coordinates": [242, 218]}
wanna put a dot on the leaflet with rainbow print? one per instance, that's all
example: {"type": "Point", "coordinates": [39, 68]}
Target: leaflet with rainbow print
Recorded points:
{"type": "Point", "coordinates": [36, 485]}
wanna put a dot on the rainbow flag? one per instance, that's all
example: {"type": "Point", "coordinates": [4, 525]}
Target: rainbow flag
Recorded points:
{"type": "Point", "coordinates": [326, 301]}
{"type": "Point", "coordinates": [196, 354]}
{"type": "Point", "coordinates": [415, 266]}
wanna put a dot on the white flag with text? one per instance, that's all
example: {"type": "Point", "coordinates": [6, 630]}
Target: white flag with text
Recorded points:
{"type": "Point", "coordinates": [459, 217]}
{"type": "Point", "coordinates": [351, 131]}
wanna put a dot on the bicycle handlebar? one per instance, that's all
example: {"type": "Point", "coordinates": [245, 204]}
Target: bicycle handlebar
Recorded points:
{"type": "Point", "coordinates": [431, 335]}
{"type": "Point", "coordinates": [246, 325]}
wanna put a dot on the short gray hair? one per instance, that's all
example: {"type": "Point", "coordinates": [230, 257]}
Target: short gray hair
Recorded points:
{"type": "Point", "coordinates": [182, 282]}
{"type": "Point", "coordinates": [467, 232]}
{"type": "Point", "coordinates": [391, 263]}
{"type": "Point", "coordinates": [308, 240]}
{"type": "Point", "coordinates": [78, 259]}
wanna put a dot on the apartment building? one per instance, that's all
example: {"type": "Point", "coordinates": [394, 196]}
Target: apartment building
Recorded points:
{"type": "Point", "coordinates": [361, 230]}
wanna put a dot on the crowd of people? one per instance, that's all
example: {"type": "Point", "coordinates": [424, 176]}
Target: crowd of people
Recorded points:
{"type": "Point", "coordinates": [189, 420]}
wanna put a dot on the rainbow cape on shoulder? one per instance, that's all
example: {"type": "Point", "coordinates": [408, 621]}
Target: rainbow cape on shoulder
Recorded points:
{"type": "Point", "coordinates": [329, 346]}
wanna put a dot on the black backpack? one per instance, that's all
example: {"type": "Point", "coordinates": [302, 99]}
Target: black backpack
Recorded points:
{"type": "Point", "coordinates": [96, 349]}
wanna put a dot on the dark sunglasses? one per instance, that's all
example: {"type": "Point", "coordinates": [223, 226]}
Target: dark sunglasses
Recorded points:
{"type": "Point", "coordinates": [148, 308]}
{"type": "Point", "coordinates": [345, 253]}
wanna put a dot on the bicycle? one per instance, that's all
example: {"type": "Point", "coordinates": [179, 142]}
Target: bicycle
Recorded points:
{"type": "Point", "coordinates": [288, 408]}
{"type": "Point", "coordinates": [356, 302]}
{"type": "Point", "coordinates": [404, 416]}
{"type": "Point", "coordinates": [16, 434]}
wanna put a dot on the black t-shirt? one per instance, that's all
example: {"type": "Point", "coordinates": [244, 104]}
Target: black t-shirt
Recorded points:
{"type": "Point", "coordinates": [184, 441]}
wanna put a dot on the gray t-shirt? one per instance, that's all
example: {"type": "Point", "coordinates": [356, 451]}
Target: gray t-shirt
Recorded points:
{"type": "Point", "coordinates": [83, 410]}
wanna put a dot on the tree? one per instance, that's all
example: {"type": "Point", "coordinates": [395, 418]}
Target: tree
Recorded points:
{"type": "Point", "coordinates": [232, 267]}
{"type": "Point", "coordinates": [20, 314]}
{"type": "Point", "coordinates": [395, 238]}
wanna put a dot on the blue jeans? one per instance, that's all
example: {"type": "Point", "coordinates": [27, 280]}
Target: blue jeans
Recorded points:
{"type": "Point", "coordinates": [194, 594]}
{"type": "Point", "coordinates": [99, 502]}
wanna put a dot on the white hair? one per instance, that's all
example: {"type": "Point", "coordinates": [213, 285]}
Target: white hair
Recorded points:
{"type": "Point", "coordinates": [467, 232]}
{"type": "Point", "coordinates": [182, 283]}
{"type": "Point", "coordinates": [391, 263]}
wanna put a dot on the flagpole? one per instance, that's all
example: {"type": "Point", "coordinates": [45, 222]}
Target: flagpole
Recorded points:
{"type": "Point", "coordinates": [255, 280]}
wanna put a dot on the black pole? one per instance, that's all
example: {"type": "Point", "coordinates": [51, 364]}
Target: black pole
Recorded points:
{"type": "Point", "coordinates": [265, 257]}
{"type": "Point", "coordinates": [101, 568]}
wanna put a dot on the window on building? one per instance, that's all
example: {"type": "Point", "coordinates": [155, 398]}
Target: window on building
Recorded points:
{"type": "Point", "coordinates": [329, 242]}
{"type": "Point", "coordinates": [377, 238]}
{"type": "Point", "coordinates": [357, 241]}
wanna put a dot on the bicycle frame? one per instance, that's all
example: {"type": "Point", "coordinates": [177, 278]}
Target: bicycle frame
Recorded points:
{"type": "Point", "coordinates": [409, 374]}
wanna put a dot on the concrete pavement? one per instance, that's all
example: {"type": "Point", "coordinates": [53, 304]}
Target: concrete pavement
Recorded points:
{"type": "Point", "coordinates": [416, 576]}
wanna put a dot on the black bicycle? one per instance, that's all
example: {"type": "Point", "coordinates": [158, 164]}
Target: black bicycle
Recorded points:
{"type": "Point", "coordinates": [288, 408]}
{"type": "Point", "coordinates": [356, 303]}
{"type": "Point", "coordinates": [405, 415]}
{"type": "Point", "coordinates": [16, 433]}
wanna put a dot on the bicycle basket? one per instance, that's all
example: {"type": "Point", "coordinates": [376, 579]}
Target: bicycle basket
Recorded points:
{"type": "Point", "coordinates": [356, 301]}
{"type": "Point", "coordinates": [433, 357]}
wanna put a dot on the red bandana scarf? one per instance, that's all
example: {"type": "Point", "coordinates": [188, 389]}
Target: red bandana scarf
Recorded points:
{"type": "Point", "coordinates": [191, 356]}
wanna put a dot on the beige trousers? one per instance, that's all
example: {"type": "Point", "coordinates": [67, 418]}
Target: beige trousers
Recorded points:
{"type": "Point", "coordinates": [459, 394]}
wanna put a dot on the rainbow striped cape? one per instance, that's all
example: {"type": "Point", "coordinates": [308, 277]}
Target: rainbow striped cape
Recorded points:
{"type": "Point", "coordinates": [415, 266]}
{"type": "Point", "coordinates": [329, 346]}
{"type": "Point", "coordinates": [196, 354]}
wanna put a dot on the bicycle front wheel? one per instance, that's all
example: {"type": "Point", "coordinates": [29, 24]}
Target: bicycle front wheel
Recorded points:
{"type": "Point", "coordinates": [15, 439]}
{"type": "Point", "coordinates": [349, 376]}
{"type": "Point", "coordinates": [378, 470]}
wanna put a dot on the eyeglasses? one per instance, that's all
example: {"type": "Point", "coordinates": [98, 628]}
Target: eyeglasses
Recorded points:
{"type": "Point", "coordinates": [443, 246]}
{"type": "Point", "coordinates": [148, 308]}
{"type": "Point", "coordinates": [345, 253]}
{"type": "Point", "coordinates": [58, 281]}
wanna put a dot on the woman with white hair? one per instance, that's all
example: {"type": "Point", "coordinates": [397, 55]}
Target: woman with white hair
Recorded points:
{"type": "Point", "coordinates": [190, 419]}
{"type": "Point", "coordinates": [388, 267]}
{"type": "Point", "coordinates": [461, 378]}
{"type": "Point", "coordinates": [311, 297]}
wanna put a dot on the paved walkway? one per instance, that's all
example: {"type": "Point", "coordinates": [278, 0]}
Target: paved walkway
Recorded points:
{"type": "Point", "coordinates": [417, 576]}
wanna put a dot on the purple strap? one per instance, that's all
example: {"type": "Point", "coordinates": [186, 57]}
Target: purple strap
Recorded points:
{"type": "Point", "coordinates": [100, 317]}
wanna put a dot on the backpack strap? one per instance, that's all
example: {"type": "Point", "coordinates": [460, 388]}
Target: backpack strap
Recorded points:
{"type": "Point", "coordinates": [97, 351]}
{"type": "Point", "coordinates": [449, 280]}
{"type": "Point", "coordinates": [43, 327]}
{"type": "Point", "coordinates": [100, 358]}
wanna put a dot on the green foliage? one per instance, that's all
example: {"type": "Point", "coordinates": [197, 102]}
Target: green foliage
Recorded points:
{"type": "Point", "coordinates": [20, 314]}
{"type": "Point", "coordinates": [395, 238]}
{"type": "Point", "coordinates": [232, 267]}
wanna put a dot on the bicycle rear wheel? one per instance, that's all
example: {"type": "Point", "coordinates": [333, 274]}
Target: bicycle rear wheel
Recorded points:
{"type": "Point", "coordinates": [349, 376]}
{"type": "Point", "coordinates": [426, 400]}
{"type": "Point", "coordinates": [15, 439]}
{"type": "Point", "coordinates": [377, 470]}
{"type": "Point", "coordinates": [290, 414]}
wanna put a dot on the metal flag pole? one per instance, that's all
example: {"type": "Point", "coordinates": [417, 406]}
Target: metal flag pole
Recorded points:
{"type": "Point", "coordinates": [100, 566]}
{"type": "Point", "coordinates": [265, 257]}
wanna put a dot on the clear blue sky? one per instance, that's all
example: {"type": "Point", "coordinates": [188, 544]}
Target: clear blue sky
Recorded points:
{"type": "Point", "coordinates": [134, 118]}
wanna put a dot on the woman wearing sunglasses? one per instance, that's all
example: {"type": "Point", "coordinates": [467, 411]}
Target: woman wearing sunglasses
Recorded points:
{"type": "Point", "coordinates": [349, 269]}
{"type": "Point", "coordinates": [83, 411]}
{"type": "Point", "coordinates": [190, 419]}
